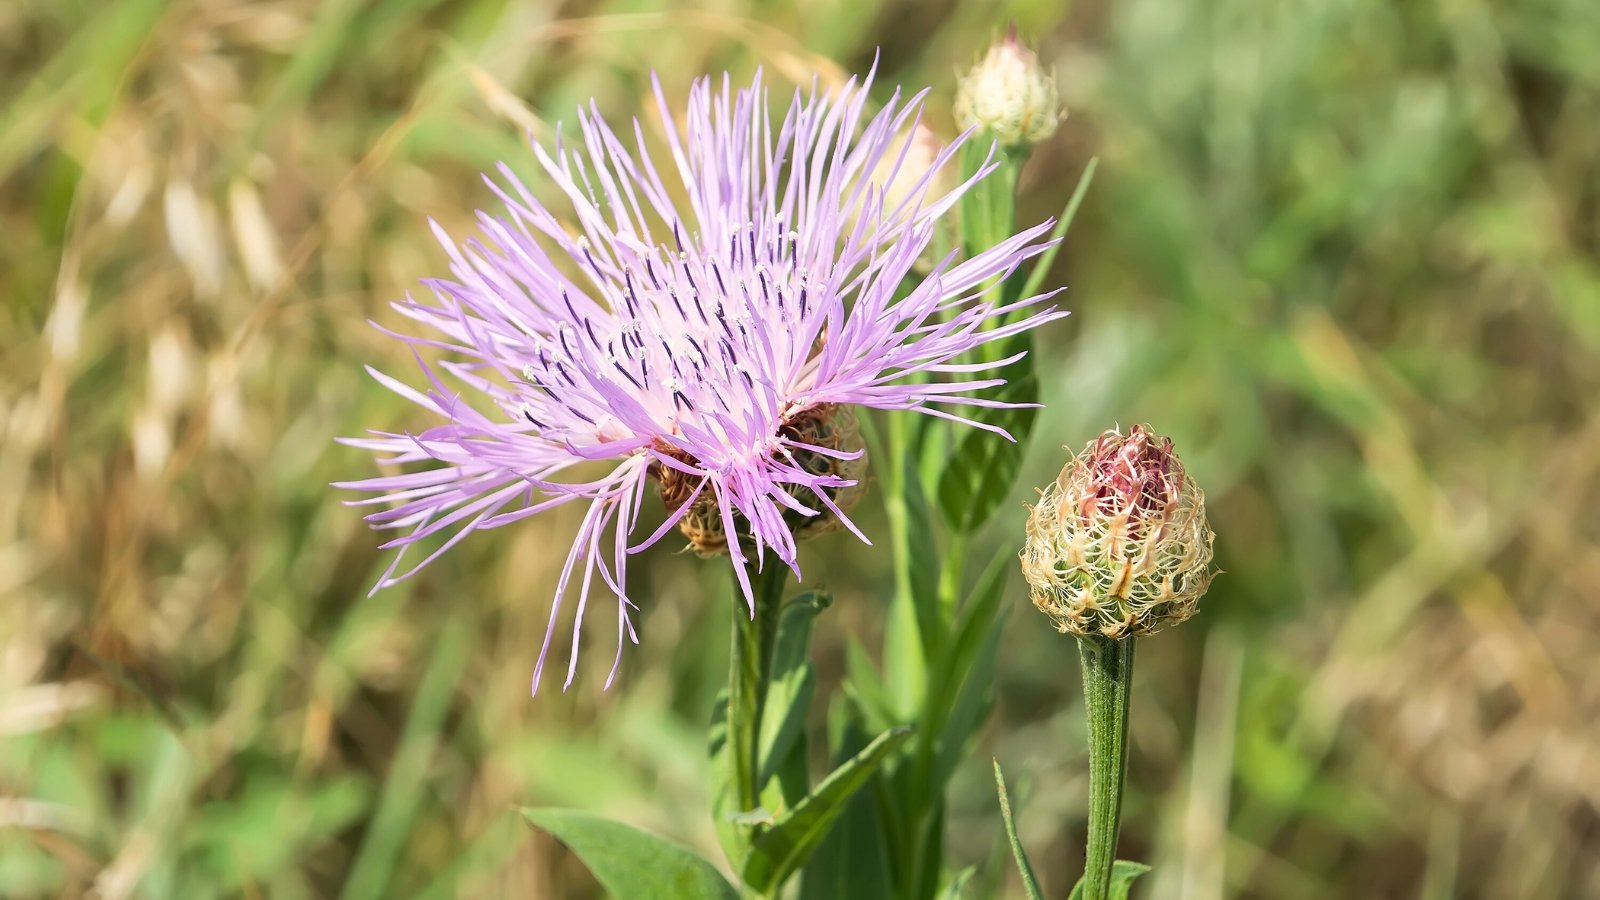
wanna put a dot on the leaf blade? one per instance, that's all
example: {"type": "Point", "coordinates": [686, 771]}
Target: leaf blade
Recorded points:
{"type": "Point", "coordinates": [1030, 882]}
{"type": "Point", "coordinates": [1042, 264]}
{"type": "Point", "coordinates": [1123, 873]}
{"type": "Point", "coordinates": [913, 631]}
{"type": "Point", "coordinates": [629, 863]}
{"type": "Point", "coordinates": [783, 847]}
{"type": "Point", "coordinates": [983, 466]}
{"type": "Point", "coordinates": [792, 683]}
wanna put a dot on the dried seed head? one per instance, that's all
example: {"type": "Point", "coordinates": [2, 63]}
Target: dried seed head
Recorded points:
{"type": "Point", "coordinates": [1008, 94]}
{"type": "Point", "coordinates": [829, 426]}
{"type": "Point", "coordinates": [1119, 545]}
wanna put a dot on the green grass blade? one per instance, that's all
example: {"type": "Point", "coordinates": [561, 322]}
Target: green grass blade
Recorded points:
{"type": "Point", "coordinates": [1042, 264]}
{"type": "Point", "coordinates": [1030, 882]}
{"type": "Point", "coordinates": [402, 791]}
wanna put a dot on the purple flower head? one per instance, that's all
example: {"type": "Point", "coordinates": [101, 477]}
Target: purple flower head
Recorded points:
{"type": "Point", "coordinates": [683, 323]}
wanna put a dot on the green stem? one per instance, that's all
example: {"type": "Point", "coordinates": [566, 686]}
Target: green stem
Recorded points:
{"type": "Point", "coordinates": [1107, 677]}
{"type": "Point", "coordinates": [749, 672]}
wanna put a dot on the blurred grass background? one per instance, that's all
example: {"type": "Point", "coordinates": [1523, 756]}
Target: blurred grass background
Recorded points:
{"type": "Point", "coordinates": [1346, 251]}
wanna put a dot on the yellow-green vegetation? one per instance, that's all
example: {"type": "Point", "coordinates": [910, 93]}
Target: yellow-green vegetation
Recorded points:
{"type": "Point", "coordinates": [1346, 252]}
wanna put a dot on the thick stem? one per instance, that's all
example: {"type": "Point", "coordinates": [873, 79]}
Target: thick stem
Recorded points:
{"type": "Point", "coordinates": [1107, 677]}
{"type": "Point", "coordinates": [749, 672]}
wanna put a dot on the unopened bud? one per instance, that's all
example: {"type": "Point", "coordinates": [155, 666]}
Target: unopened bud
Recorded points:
{"type": "Point", "coordinates": [1119, 545]}
{"type": "Point", "coordinates": [1009, 95]}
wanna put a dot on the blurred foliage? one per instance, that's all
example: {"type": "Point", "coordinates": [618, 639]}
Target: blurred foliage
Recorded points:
{"type": "Point", "coordinates": [1346, 251]}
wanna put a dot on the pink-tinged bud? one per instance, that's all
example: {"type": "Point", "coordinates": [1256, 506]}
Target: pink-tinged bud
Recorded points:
{"type": "Point", "coordinates": [1010, 96]}
{"type": "Point", "coordinates": [1119, 545]}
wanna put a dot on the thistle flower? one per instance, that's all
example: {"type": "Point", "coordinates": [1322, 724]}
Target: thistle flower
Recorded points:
{"type": "Point", "coordinates": [902, 176]}
{"type": "Point", "coordinates": [1010, 95]}
{"type": "Point", "coordinates": [711, 345]}
{"type": "Point", "coordinates": [1119, 545]}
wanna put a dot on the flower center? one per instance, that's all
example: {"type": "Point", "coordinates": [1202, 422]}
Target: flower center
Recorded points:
{"type": "Point", "coordinates": [831, 427]}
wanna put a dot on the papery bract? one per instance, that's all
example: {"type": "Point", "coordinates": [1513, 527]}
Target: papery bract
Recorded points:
{"type": "Point", "coordinates": [1119, 545]}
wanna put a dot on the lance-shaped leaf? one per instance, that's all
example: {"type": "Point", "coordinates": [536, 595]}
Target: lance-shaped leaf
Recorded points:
{"type": "Point", "coordinates": [983, 467]}
{"type": "Point", "coordinates": [1030, 882]}
{"type": "Point", "coordinates": [913, 630]}
{"type": "Point", "coordinates": [965, 683]}
{"type": "Point", "coordinates": [791, 683]}
{"type": "Point", "coordinates": [724, 808]}
{"type": "Point", "coordinates": [853, 861]}
{"type": "Point", "coordinates": [784, 847]}
{"type": "Point", "coordinates": [982, 470]}
{"type": "Point", "coordinates": [631, 864]}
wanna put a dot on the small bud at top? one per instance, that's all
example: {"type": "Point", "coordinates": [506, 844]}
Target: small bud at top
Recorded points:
{"type": "Point", "coordinates": [1009, 95]}
{"type": "Point", "coordinates": [1119, 545]}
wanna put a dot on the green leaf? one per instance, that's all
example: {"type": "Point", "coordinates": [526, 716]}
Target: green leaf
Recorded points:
{"type": "Point", "coordinates": [982, 469]}
{"type": "Point", "coordinates": [784, 847]}
{"type": "Point", "coordinates": [988, 209]}
{"type": "Point", "coordinates": [853, 860]}
{"type": "Point", "coordinates": [723, 805]}
{"type": "Point", "coordinates": [913, 628]}
{"type": "Point", "coordinates": [789, 782]}
{"type": "Point", "coordinates": [793, 679]}
{"type": "Point", "coordinates": [931, 439]}
{"type": "Point", "coordinates": [629, 863]}
{"type": "Point", "coordinates": [983, 466]}
{"type": "Point", "coordinates": [783, 751]}
{"type": "Point", "coordinates": [964, 681]}
{"type": "Point", "coordinates": [1030, 882]}
{"type": "Point", "coordinates": [973, 700]}
{"type": "Point", "coordinates": [1123, 873]}
{"type": "Point", "coordinates": [1042, 264]}
{"type": "Point", "coordinates": [864, 686]}
{"type": "Point", "coordinates": [957, 888]}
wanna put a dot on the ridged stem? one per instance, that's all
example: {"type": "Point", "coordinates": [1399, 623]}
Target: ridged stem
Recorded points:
{"type": "Point", "coordinates": [1107, 677]}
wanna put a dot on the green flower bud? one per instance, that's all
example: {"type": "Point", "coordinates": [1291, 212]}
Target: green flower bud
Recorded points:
{"type": "Point", "coordinates": [1119, 545]}
{"type": "Point", "coordinates": [1009, 95]}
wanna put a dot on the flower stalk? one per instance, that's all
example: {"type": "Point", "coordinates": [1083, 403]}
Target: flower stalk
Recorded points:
{"type": "Point", "coordinates": [749, 674]}
{"type": "Point", "coordinates": [1107, 666]}
{"type": "Point", "coordinates": [1118, 547]}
